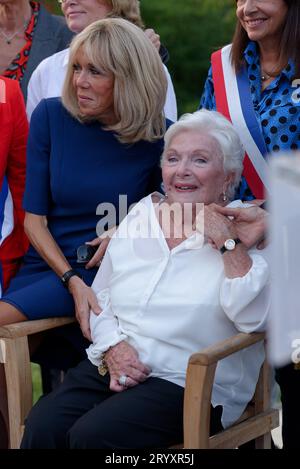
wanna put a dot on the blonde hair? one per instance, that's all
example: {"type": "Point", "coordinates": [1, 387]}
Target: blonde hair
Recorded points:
{"type": "Point", "coordinates": [119, 47]}
{"type": "Point", "coordinates": [215, 125]}
{"type": "Point", "coordinates": [126, 9]}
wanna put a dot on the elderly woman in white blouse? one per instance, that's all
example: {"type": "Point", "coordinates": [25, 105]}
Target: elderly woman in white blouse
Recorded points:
{"type": "Point", "coordinates": [171, 283]}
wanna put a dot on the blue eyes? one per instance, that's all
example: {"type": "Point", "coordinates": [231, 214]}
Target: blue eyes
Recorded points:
{"type": "Point", "coordinates": [172, 159]}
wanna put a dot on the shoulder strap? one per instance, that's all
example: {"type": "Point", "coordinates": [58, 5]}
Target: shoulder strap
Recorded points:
{"type": "Point", "coordinates": [234, 101]}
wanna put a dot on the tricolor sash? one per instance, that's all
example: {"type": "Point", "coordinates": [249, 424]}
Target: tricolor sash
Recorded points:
{"type": "Point", "coordinates": [234, 101]}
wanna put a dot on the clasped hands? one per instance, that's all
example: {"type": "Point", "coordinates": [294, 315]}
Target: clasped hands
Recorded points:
{"type": "Point", "coordinates": [249, 224]}
{"type": "Point", "coordinates": [122, 360]}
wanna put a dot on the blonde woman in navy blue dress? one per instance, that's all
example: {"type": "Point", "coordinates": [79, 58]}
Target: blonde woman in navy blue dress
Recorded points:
{"type": "Point", "coordinates": [104, 139]}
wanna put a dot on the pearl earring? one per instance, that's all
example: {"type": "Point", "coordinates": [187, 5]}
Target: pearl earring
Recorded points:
{"type": "Point", "coordinates": [224, 197]}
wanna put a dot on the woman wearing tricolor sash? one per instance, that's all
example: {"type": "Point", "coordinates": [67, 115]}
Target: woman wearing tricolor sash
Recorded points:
{"type": "Point", "coordinates": [255, 83]}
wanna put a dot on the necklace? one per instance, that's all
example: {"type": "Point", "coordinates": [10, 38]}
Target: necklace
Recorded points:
{"type": "Point", "coordinates": [264, 76]}
{"type": "Point", "coordinates": [8, 38]}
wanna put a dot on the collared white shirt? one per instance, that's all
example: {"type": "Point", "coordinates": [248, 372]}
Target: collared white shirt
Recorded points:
{"type": "Point", "coordinates": [48, 78]}
{"type": "Point", "coordinates": [169, 304]}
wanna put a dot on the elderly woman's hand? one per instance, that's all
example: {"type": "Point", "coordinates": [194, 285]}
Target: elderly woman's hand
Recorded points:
{"type": "Point", "coordinates": [153, 37]}
{"type": "Point", "coordinates": [102, 241]}
{"type": "Point", "coordinates": [250, 224]}
{"type": "Point", "coordinates": [122, 360]}
{"type": "Point", "coordinates": [217, 227]}
{"type": "Point", "coordinates": [85, 300]}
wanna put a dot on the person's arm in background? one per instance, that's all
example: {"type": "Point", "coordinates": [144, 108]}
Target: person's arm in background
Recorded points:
{"type": "Point", "coordinates": [35, 88]}
{"type": "Point", "coordinates": [170, 108]}
{"type": "Point", "coordinates": [251, 223]}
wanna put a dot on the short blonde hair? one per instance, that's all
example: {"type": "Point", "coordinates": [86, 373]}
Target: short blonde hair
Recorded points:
{"type": "Point", "coordinates": [215, 125]}
{"type": "Point", "coordinates": [126, 9]}
{"type": "Point", "coordinates": [119, 47]}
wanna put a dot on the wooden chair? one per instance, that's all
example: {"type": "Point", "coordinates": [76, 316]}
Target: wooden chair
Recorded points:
{"type": "Point", "coordinates": [14, 354]}
{"type": "Point", "coordinates": [256, 422]}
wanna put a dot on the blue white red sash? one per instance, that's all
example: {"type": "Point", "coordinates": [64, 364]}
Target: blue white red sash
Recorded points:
{"type": "Point", "coordinates": [6, 219]}
{"type": "Point", "coordinates": [234, 101]}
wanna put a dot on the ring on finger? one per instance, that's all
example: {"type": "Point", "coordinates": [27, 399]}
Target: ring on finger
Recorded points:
{"type": "Point", "coordinates": [122, 380]}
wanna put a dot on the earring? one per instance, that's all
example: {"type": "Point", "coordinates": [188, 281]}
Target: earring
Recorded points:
{"type": "Point", "coordinates": [224, 197]}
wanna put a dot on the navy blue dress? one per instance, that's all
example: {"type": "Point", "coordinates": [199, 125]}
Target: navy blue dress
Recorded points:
{"type": "Point", "coordinates": [71, 169]}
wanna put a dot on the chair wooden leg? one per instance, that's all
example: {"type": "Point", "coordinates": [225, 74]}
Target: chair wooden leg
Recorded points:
{"type": "Point", "coordinates": [197, 398]}
{"type": "Point", "coordinates": [262, 402]}
{"type": "Point", "coordinates": [15, 356]}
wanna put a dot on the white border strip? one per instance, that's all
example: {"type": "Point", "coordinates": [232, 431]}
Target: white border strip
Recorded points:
{"type": "Point", "coordinates": [2, 92]}
{"type": "Point", "coordinates": [8, 219]}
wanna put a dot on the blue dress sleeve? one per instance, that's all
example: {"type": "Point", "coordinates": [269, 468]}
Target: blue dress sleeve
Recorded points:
{"type": "Point", "coordinates": [208, 100]}
{"type": "Point", "coordinates": [37, 196]}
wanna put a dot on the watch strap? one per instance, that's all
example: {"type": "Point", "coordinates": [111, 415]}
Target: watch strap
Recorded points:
{"type": "Point", "coordinates": [67, 275]}
{"type": "Point", "coordinates": [223, 249]}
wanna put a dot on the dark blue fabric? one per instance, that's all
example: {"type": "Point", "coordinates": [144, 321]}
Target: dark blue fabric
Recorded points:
{"type": "Point", "coordinates": [71, 168]}
{"type": "Point", "coordinates": [277, 108]}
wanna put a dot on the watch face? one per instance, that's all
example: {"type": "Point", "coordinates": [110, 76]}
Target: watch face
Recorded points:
{"type": "Point", "coordinates": [229, 244]}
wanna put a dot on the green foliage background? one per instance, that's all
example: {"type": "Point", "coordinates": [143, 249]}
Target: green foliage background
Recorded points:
{"type": "Point", "coordinates": [191, 30]}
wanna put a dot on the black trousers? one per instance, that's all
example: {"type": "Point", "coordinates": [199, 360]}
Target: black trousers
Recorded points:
{"type": "Point", "coordinates": [84, 413]}
{"type": "Point", "coordinates": [288, 379]}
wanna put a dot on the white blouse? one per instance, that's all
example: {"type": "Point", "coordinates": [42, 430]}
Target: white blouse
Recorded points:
{"type": "Point", "coordinates": [169, 304]}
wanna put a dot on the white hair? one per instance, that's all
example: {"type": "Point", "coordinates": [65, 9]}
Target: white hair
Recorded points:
{"type": "Point", "coordinates": [214, 124]}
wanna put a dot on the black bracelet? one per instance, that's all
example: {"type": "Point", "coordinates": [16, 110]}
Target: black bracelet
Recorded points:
{"type": "Point", "coordinates": [67, 275]}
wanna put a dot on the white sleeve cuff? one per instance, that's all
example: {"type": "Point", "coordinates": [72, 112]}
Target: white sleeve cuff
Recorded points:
{"type": "Point", "coordinates": [95, 350]}
{"type": "Point", "coordinates": [246, 300]}
{"type": "Point", "coordinates": [105, 329]}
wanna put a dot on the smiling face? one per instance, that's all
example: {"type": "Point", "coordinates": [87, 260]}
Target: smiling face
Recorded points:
{"type": "Point", "coordinates": [94, 89]}
{"type": "Point", "coordinates": [192, 169]}
{"type": "Point", "coordinates": [262, 19]}
{"type": "Point", "coordinates": [81, 13]}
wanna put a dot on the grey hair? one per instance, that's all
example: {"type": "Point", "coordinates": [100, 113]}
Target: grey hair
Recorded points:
{"type": "Point", "coordinates": [214, 124]}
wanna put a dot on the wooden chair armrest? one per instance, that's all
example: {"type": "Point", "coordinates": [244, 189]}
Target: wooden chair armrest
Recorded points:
{"type": "Point", "coordinates": [226, 347]}
{"type": "Point", "coordinates": [199, 382]}
{"type": "Point", "coordinates": [22, 329]}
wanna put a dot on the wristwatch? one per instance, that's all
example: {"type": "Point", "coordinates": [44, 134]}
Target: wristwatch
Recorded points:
{"type": "Point", "coordinates": [67, 275]}
{"type": "Point", "coordinates": [229, 245]}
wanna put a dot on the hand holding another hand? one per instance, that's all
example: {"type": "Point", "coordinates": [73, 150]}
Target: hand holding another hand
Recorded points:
{"type": "Point", "coordinates": [250, 224]}
{"type": "Point", "coordinates": [217, 227]}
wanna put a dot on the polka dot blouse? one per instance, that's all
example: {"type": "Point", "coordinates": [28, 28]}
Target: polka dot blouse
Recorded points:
{"type": "Point", "coordinates": [277, 108]}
